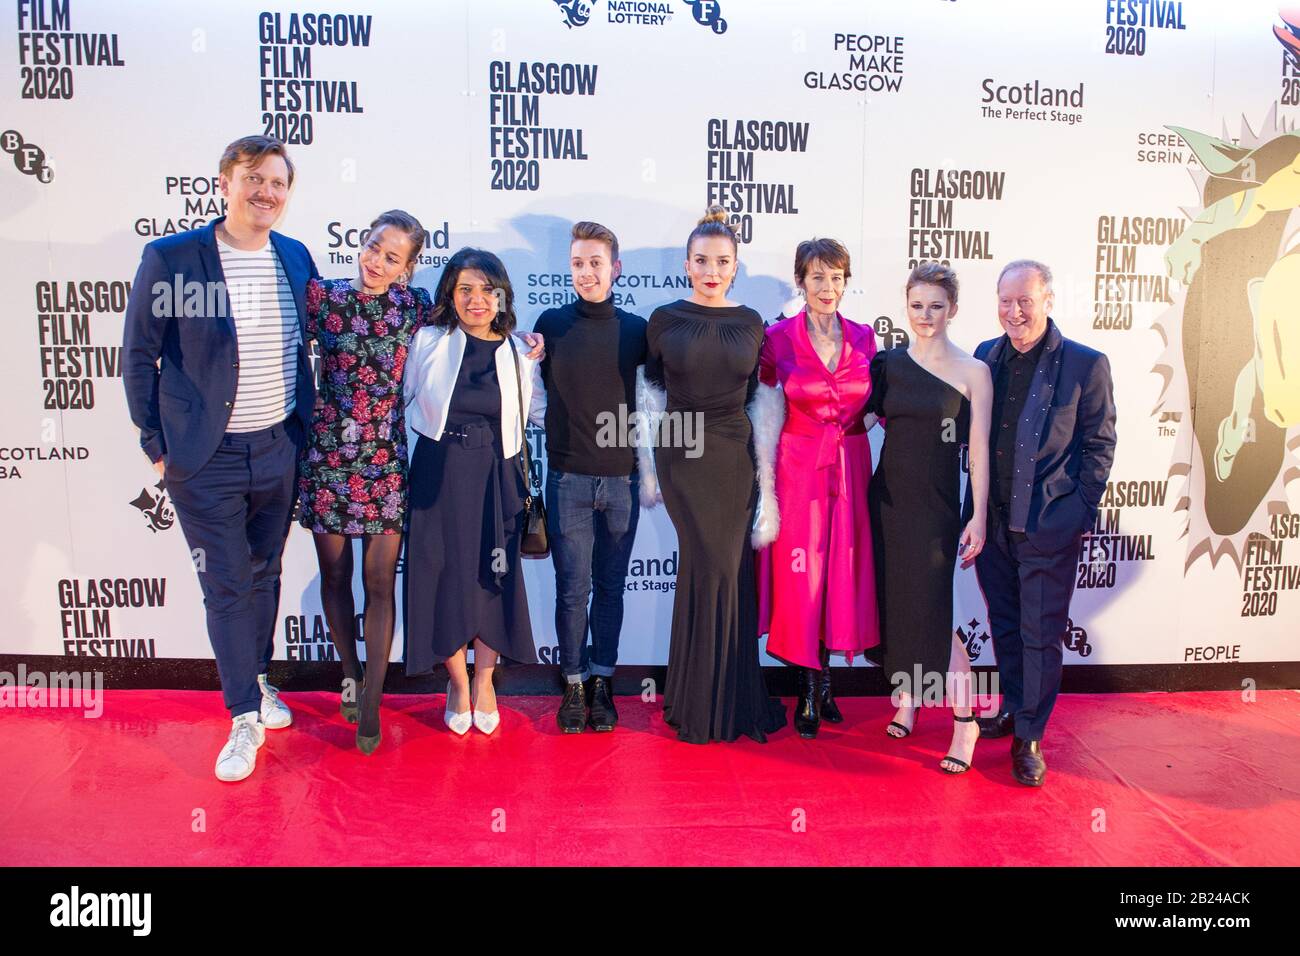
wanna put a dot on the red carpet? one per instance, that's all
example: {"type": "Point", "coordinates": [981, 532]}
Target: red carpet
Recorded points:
{"type": "Point", "coordinates": [1182, 779]}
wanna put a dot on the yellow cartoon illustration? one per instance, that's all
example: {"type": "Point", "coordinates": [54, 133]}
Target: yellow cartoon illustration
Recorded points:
{"type": "Point", "coordinates": [1239, 328]}
{"type": "Point", "coordinates": [1274, 299]}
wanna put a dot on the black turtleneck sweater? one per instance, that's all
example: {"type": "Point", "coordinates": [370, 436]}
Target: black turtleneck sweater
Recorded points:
{"type": "Point", "coordinates": [592, 351]}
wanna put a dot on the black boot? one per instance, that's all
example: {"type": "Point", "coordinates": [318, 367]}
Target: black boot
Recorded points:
{"type": "Point", "coordinates": [572, 715]}
{"type": "Point", "coordinates": [807, 709]}
{"type": "Point", "coordinates": [603, 716]}
{"type": "Point", "coordinates": [830, 711]}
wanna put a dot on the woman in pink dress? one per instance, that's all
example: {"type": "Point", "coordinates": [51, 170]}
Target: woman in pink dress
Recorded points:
{"type": "Point", "coordinates": [817, 585]}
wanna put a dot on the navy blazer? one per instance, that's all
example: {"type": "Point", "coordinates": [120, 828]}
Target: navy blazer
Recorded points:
{"type": "Point", "coordinates": [181, 356]}
{"type": "Point", "coordinates": [1065, 443]}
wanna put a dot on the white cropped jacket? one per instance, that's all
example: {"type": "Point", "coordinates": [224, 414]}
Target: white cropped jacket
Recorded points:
{"type": "Point", "coordinates": [432, 365]}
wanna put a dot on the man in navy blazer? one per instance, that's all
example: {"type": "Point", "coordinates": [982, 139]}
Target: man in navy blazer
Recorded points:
{"type": "Point", "coordinates": [1050, 453]}
{"type": "Point", "coordinates": [219, 383]}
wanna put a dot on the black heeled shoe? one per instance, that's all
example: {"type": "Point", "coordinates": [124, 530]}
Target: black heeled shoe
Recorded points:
{"type": "Point", "coordinates": [351, 710]}
{"type": "Point", "coordinates": [830, 711]}
{"type": "Point", "coordinates": [367, 744]}
{"type": "Point", "coordinates": [807, 713]}
{"type": "Point", "coordinates": [957, 760]}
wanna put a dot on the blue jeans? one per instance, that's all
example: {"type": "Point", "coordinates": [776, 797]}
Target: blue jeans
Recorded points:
{"type": "Point", "coordinates": [591, 521]}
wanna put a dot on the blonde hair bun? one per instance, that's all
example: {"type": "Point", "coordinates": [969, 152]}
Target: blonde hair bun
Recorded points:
{"type": "Point", "coordinates": [715, 213]}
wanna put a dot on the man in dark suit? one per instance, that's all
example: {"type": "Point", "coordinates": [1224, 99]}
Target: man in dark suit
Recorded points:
{"type": "Point", "coordinates": [219, 383]}
{"type": "Point", "coordinates": [1051, 449]}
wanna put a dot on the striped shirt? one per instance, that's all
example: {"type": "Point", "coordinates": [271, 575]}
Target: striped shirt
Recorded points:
{"type": "Point", "coordinates": [266, 327]}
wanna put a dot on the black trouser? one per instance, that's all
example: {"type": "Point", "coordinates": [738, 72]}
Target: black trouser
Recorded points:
{"type": "Point", "coordinates": [1028, 593]}
{"type": "Point", "coordinates": [234, 512]}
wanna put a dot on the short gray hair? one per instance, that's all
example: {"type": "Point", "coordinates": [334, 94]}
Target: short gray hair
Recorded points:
{"type": "Point", "coordinates": [1044, 273]}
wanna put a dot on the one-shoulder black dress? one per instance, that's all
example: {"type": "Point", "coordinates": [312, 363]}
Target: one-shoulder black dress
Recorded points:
{"type": "Point", "coordinates": [707, 360]}
{"type": "Point", "coordinates": [915, 504]}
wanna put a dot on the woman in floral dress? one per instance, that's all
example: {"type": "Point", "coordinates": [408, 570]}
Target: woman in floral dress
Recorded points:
{"type": "Point", "coordinates": [352, 474]}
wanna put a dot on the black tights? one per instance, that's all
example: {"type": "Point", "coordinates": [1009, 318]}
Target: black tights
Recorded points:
{"type": "Point", "coordinates": [379, 571]}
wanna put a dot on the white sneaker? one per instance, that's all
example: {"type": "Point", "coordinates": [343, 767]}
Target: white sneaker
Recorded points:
{"type": "Point", "coordinates": [239, 756]}
{"type": "Point", "coordinates": [275, 714]}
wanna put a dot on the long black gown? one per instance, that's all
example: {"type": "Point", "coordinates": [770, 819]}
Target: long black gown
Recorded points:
{"type": "Point", "coordinates": [915, 507]}
{"type": "Point", "coordinates": [707, 360]}
{"type": "Point", "coordinates": [466, 502]}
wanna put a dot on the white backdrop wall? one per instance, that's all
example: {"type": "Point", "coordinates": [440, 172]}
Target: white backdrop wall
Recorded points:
{"type": "Point", "coordinates": [899, 128]}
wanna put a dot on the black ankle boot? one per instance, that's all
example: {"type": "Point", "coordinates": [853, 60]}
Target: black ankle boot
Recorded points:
{"type": "Point", "coordinates": [807, 710]}
{"type": "Point", "coordinates": [603, 716]}
{"type": "Point", "coordinates": [830, 711]}
{"type": "Point", "coordinates": [572, 715]}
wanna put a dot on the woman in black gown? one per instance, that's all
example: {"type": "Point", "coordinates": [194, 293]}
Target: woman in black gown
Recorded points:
{"type": "Point", "coordinates": [703, 353]}
{"type": "Point", "coordinates": [933, 398]}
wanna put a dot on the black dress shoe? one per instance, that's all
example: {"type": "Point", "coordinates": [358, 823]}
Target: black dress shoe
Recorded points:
{"type": "Point", "coordinates": [830, 711]}
{"type": "Point", "coordinates": [807, 709]}
{"type": "Point", "coordinates": [572, 715]}
{"type": "Point", "coordinates": [1027, 763]}
{"type": "Point", "coordinates": [603, 716]}
{"type": "Point", "coordinates": [1003, 725]}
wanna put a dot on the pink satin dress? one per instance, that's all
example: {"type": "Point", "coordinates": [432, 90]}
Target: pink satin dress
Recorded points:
{"type": "Point", "coordinates": [817, 582]}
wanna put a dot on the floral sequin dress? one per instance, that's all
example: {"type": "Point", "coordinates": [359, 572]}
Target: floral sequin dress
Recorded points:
{"type": "Point", "coordinates": [352, 473]}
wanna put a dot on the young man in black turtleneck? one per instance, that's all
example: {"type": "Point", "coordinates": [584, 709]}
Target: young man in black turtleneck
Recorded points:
{"type": "Point", "coordinates": [592, 354]}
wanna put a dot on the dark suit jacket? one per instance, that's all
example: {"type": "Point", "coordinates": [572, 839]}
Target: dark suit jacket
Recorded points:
{"type": "Point", "coordinates": [1065, 442]}
{"type": "Point", "coordinates": [181, 355]}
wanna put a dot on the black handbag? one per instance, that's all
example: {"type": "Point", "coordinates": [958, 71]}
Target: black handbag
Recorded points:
{"type": "Point", "coordinates": [533, 542]}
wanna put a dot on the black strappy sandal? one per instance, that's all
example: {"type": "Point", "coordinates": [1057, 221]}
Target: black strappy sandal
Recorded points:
{"type": "Point", "coordinates": [905, 729]}
{"type": "Point", "coordinates": [951, 759]}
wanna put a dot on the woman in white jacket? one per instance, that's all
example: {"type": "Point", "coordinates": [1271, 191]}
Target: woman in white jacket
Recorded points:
{"type": "Point", "coordinates": [467, 379]}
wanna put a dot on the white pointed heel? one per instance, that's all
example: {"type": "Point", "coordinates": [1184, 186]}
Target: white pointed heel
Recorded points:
{"type": "Point", "coordinates": [458, 724]}
{"type": "Point", "coordinates": [487, 722]}
{"type": "Point", "coordinates": [484, 721]}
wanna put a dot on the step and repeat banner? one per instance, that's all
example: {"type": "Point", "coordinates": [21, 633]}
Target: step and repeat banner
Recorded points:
{"type": "Point", "coordinates": [1144, 149]}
